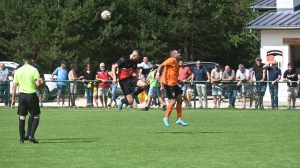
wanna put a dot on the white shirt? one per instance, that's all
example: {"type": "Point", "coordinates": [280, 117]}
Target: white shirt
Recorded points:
{"type": "Point", "coordinates": [243, 75]}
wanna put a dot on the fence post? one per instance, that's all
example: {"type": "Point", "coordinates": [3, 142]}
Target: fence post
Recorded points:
{"type": "Point", "coordinates": [68, 89]}
{"type": "Point", "coordinates": [194, 91]}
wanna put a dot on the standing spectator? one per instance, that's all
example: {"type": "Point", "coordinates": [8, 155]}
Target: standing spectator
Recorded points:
{"type": "Point", "coordinates": [292, 77]}
{"type": "Point", "coordinates": [4, 84]}
{"type": "Point", "coordinates": [112, 89]}
{"type": "Point", "coordinates": [185, 74]}
{"type": "Point", "coordinates": [229, 75]}
{"type": "Point", "coordinates": [27, 78]}
{"type": "Point", "coordinates": [216, 78]}
{"type": "Point", "coordinates": [243, 76]}
{"type": "Point", "coordinates": [170, 80]}
{"type": "Point", "coordinates": [261, 76]}
{"type": "Point", "coordinates": [274, 76]}
{"type": "Point", "coordinates": [145, 68]}
{"type": "Point", "coordinates": [154, 88]}
{"type": "Point", "coordinates": [200, 73]}
{"type": "Point", "coordinates": [62, 74]}
{"type": "Point", "coordinates": [88, 86]}
{"type": "Point", "coordinates": [73, 85]}
{"type": "Point", "coordinates": [103, 76]}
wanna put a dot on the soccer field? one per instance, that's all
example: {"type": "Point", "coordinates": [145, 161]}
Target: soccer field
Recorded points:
{"type": "Point", "coordinates": [130, 138]}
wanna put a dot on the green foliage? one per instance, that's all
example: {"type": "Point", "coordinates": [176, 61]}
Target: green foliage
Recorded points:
{"type": "Point", "coordinates": [74, 31]}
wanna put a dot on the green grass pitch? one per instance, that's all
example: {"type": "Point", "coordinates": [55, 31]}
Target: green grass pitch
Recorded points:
{"type": "Point", "coordinates": [88, 137]}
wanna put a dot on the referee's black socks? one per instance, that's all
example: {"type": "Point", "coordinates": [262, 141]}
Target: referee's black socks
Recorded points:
{"type": "Point", "coordinates": [30, 120]}
{"type": "Point", "coordinates": [34, 126]}
{"type": "Point", "coordinates": [21, 129]}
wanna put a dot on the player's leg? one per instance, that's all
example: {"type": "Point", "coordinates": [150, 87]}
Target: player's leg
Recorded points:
{"type": "Point", "coordinates": [172, 101]}
{"type": "Point", "coordinates": [141, 87]}
{"type": "Point", "coordinates": [125, 85]}
{"type": "Point", "coordinates": [178, 94]}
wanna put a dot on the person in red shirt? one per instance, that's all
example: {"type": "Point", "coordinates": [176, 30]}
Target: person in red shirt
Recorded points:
{"type": "Point", "coordinates": [127, 74]}
{"type": "Point", "coordinates": [185, 74]}
{"type": "Point", "coordinates": [103, 75]}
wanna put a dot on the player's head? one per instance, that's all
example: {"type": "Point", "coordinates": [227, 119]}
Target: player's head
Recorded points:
{"type": "Point", "coordinates": [290, 66]}
{"type": "Point", "coordinates": [258, 61]}
{"type": "Point", "coordinates": [27, 57]}
{"type": "Point", "coordinates": [102, 66]}
{"type": "Point", "coordinates": [175, 54]}
{"type": "Point", "coordinates": [241, 68]}
{"type": "Point", "coordinates": [136, 55]}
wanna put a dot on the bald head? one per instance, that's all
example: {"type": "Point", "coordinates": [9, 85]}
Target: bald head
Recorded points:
{"type": "Point", "coordinates": [227, 68]}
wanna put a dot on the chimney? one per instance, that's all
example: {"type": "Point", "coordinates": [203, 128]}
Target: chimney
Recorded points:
{"type": "Point", "coordinates": [287, 5]}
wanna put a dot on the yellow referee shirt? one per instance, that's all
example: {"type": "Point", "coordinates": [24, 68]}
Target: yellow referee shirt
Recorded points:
{"type": "Point", "coordinates": [25, 78]}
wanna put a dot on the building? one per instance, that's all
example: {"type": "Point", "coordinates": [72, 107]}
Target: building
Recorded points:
{"type": "Point", "coordinates": [280, 34]}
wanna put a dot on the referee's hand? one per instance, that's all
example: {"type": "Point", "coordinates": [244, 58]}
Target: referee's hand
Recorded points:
{"type": "Point", "coordinates": [13, 104]}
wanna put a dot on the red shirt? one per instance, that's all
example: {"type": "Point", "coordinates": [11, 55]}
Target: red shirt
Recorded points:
{"type": "Point", "coordinates": [184, 73]}
{"type": "Point", "coordinates": [105, 76]}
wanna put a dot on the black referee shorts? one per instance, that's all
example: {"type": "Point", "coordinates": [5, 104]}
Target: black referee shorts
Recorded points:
{"type": "Point", "coordinates": [173, 91]}
{"type": "Point", "coordinates": [127, 85]}
{"type": "Point", "coordinates": [28, 102]}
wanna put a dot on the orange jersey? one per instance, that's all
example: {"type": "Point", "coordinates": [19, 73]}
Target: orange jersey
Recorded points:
{"type": "Point", "coordinates": [171, 72]}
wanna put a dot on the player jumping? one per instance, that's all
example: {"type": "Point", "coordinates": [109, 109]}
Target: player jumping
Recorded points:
{"type": "Point", "coordinates": [170, 80]}
{"type": "Point", "coordinates": [127, 73]}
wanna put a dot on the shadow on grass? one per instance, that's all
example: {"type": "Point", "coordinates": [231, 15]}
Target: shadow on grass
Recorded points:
{"type": "Point", "coordinates": [188, 132]}
{"type": "Point", "coordinates": [69, 140]}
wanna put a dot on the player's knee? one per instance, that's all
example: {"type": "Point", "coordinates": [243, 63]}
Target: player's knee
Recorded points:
{"type": "Point", "coordinates": [130, 101]}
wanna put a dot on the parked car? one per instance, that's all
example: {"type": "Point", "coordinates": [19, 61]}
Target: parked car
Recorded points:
{"type": "Point", "coordinates": [49, 90]}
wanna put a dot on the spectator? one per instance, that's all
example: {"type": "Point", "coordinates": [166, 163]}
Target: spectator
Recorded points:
{"type": "Point", "coordinates": [229, 75]}
{"type": "Point", "coordinates": [243, 76]}
{"type": "Point", "coordinates": [185, 74]}
{"type": "Point", "coordinates": [113, 88]}
{"type": "Point", "coordinates": [145, 67]}
{"type": "Point", "coordinates": [274, 76]}
{"type": "Point", "coordinates": [62, 74]}
{"type": "Point", "coordinates": [4, 85]}
{"type": "Point", "coordinates": [261, 76]}
{"type": "Point", "coordinates": [216, 78]}
{"type": "Point", "coordinates": [199, 74]}
{"type": "Point", "coordinates": [103, 76]}
{"type": "Point", "coordinates": [292, 77]}
{"type": "Point", "coordinates": [88, 86]}
{"type": "Point", "coordinates": [73, 85]}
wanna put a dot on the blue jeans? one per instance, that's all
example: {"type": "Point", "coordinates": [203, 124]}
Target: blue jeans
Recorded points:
{"type": "Point", "coordinates": [274, 95]}
{"type": "Point", "coordinates": [89, 94]}
{"type": "Point", "coordinates": [113, 92]}
{"type": "Point", "coordinates": [4, 94]}
{"type": "Point", "coordinates": [232, 96]}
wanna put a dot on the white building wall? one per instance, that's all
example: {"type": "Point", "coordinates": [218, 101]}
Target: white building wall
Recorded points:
{"type": "Point", "coordinates": [273, 40]}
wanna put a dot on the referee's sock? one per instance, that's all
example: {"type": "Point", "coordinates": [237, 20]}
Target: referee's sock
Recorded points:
{"type": "Point", "coordinates": [138, 91]}
{"type": "Point", "coordinates": [34, 126]}
{"type": "Point", "coordinates": [30, 120]}
{"type": "Point", "coordinates": [21, 129]}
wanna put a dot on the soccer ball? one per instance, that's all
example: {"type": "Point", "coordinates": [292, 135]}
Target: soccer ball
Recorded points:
{"type": "Point", "coordinates": [106, 15]}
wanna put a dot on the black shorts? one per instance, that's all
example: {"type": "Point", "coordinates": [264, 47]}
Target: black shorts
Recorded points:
{"type": "Point", "coordinates": [28, 102]}
{"type": "Point", "coordinates": [173, 91]}
{"type": "Point", "coordinates": [127, 85]}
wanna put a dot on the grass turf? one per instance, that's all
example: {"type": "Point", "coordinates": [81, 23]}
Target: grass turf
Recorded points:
{"type": "Point", "coordinates": [131, 138]}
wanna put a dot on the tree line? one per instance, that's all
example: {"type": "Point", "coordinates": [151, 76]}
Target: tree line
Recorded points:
{"type": "Point", "coordinates": [72, 30]}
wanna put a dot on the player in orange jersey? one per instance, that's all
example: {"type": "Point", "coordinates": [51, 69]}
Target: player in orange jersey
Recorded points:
{"type": "Point", "coordinates": [170, 80]}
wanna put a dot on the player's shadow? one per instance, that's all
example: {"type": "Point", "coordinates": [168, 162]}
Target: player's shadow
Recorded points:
{"type": "Point", "coordinates": [188, 132]}
{"type": "Point", "coordinates": [68, 140]}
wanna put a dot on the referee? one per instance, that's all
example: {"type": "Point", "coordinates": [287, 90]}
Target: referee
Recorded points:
{"type": "Point", "coordinates": [27, 78]}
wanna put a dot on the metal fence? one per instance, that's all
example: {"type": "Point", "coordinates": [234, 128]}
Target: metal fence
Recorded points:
{"type": "Point", "coordinates": [50, 92]}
